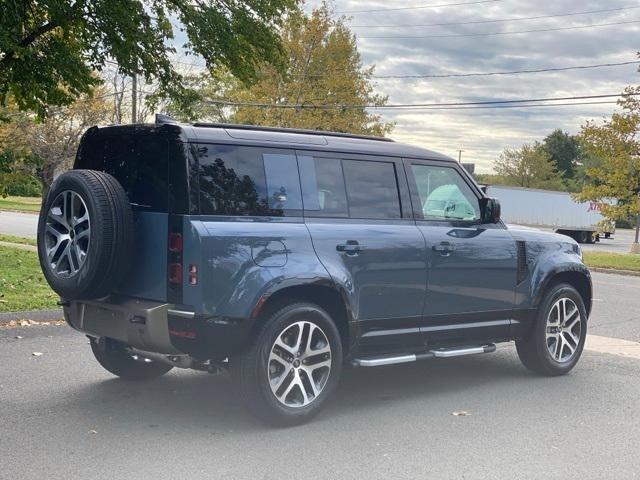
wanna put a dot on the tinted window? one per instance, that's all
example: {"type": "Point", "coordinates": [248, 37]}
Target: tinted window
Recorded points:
{"type": "Point", "coordinates": [444, 195]}
{"type": "Point", "coordinates": [323, 186]}
{"type": "Point", "coordinates": [372, 189]}
{"type": "Point", "coordinates": [247, 181]}
{"type": "Point", "coordinates": [138, 162]}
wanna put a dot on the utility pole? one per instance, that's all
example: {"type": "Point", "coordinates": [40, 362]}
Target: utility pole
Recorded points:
{"type": "Point", "coordinates": [460, 156]}
{"type": "Point", "coordinates": [635, 246]}
{"type": "Point", "coordinates": [134, 98]}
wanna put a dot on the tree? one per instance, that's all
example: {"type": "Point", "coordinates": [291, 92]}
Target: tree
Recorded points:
{"type": "Point", "coordinates": [49, 50]}
{"type": "Point", "coordinates": [564, 150]}
{"type": "Point", "coordinates": [529, 166]}
{"type": "Point", "coordinates": [322, 68]}
{"type": "Point", "coordinates": [43, 148]}
{"type": "Point", "coordinates": [616, 145]}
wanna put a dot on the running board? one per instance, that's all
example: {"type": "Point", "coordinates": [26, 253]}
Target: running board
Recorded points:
{"type": "Point", "coordinates": [414, 357]}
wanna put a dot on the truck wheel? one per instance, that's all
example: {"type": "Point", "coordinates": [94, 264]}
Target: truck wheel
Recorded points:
{"type": "Point", "coordinates": [555, 343]}
{"type": "Point", "coordinates": [85, 235]}
{"type": "Point", "coordinates": [289, 372]}
{"type": "Point", "coordinates": [112, 356]}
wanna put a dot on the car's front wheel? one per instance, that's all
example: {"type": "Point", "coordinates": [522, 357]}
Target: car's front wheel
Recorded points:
{"type": "Point", "coordinates": [555, 343]}
{"type": "Point", "coordinates": [293, 366]}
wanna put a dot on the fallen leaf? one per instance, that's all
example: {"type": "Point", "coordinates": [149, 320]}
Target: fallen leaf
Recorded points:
{"type": "Point", "coordinates": [18, 337]}
{"type": "Point", "coordinates": [23, 323]}
{"type": "Point", "coordinates": [461, 413]}
{"type": "Point", "coordinates": [37, 354]}
{"type": "Point", "coordinates": [93, 432]}
{"type": "Point", "coordinates": [13, 323]}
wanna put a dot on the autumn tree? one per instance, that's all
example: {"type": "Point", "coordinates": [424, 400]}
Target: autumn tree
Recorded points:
{"type": "Point", "coordinates": [323, 70]}
{"type": "Point", "coordinates": [529, 166]}
{"type": "Point", "coordinates": [43, 148]}
{"type": "Point", "coordinates": [616, 176]}
{"type": "Point", "coordinates": [49, 50]}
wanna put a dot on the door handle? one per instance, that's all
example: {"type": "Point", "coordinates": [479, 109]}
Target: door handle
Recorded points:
{"type": "Point", "coordinates": [351, 247]}
{"type": "Point", "coordinates": [445, 248]}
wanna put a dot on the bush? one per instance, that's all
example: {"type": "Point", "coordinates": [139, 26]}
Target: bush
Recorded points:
{"type": "Point", "coordinates": [24, 186]}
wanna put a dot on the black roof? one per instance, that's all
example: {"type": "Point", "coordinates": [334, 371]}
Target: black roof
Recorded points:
{"type": "Point", "coordinates": [286, 138]}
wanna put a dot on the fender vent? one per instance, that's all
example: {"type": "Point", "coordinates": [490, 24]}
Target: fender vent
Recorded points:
{"type": "Point", "coordinates": [521, 252]}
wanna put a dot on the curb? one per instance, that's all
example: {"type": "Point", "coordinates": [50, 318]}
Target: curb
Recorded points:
{"type": "Point", "coordinates": [615, 271]}
{"type": "Point", "coordinates": [36, 315]}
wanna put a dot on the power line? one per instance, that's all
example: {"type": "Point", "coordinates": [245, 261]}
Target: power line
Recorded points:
{"type": "Point", "coordinates": [490, 34]}
{"type": "Point", "coordinates": [414, 105]}
{"type": "Point", "coordinates": [418, 7]}
{"type": "Point", "coordinates": [511, 72]}
{"type": "Point", "coordinates": [513, 19]}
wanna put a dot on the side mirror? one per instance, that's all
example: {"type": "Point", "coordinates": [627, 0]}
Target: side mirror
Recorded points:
{"type": "Point", "coordinates": [490, 209]}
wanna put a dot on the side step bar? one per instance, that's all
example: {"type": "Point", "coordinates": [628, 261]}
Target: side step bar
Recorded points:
{"type": "Point", "coordinates": [414, 357]}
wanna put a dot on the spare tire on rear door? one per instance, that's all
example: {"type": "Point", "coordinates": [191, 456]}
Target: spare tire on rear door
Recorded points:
{"type": "Point", "coordinates": [85, 235]}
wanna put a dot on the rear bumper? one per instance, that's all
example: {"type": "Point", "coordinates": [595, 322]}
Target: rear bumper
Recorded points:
{"type": "Point", "coordinates": [160, 327]}
{"type": "Point", "coordinates": [140, 323]}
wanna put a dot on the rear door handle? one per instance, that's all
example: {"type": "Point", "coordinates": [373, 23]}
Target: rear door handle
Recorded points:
{"type": "Point", "coordinates": [351, 247]}
{"type": "Point", "coordinates": [445, 248]}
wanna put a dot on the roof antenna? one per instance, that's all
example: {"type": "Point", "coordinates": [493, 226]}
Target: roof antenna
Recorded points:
{"type": "Point", "coordinates": [162, 119]}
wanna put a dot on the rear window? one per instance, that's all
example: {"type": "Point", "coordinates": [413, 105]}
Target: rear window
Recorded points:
{"type": "Point", "coordinates": [248, 181]}
{"type": "Point", "coordinates": [139, 162]}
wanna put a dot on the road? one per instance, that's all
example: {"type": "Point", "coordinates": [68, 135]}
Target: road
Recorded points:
{"type": "Point", "coordinates": [63, 417]}
{"type": "Point", "coordinates": [21, 224]}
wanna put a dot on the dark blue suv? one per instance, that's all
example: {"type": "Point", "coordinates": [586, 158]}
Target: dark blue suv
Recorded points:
{"type": "Point", "coordinates": [284, 255]}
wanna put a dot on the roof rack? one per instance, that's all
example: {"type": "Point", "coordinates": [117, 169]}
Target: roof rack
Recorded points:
{"type": "Point", "coordinates": [290, 130]}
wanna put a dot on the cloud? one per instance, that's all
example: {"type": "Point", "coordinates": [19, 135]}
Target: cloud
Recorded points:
{"type": "Point", "coordinates": [484, 133]}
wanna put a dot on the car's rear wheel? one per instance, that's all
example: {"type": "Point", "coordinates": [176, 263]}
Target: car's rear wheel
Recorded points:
{"type": "Point", "coordinates": [293, 366]}
{"type": "Point", "coordinates": [555, 343]}
{"type": "Point", "coordinates": [85, 235]}
{"type": "Point", "coordinates": [115, 359]}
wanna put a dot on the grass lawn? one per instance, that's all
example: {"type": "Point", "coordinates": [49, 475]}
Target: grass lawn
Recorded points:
{"type": "Point", "coordinates": [22, 285]}
{"type": "Point", "coordinates": [14, 239]}
{"type": "Point", "coordinates": [21, 204]}
{"type": "Point", "coordinates": [622, 261]}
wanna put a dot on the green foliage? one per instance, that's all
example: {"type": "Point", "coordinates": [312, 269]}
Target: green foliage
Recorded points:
{"type": "Point", "coordinates": [529, 166]}
{"type": "Point", "coordinates": [613, 148]}
{"type": "Point", "coordinates": [564, 150]}
{"type": "Point", "coordinates": [49, 50]}
{"type": "Point", "coordinates": [322, 67]}
{"type": "Point", "coordinates": [24, 186]}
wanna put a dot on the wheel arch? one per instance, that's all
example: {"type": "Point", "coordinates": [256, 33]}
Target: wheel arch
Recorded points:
{"type": "Point", "coordinates": [579, 278]}
{"type": "Point", "coordinates": [323, 294]}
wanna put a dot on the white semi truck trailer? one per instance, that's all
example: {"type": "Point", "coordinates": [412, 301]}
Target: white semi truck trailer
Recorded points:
{"type": "Point", "coordinates": [556, 210]}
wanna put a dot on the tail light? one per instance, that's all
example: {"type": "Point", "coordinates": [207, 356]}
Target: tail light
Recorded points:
{"type": "Point", "coordinates": [175, 273]}
{"type": "Point", "coordinates": [193, 274]}
{"type": "Point", "coordinates": [175, 243]}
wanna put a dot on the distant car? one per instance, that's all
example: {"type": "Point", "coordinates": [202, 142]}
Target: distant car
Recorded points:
{"type": "Point", "coordinates": [283, 255]}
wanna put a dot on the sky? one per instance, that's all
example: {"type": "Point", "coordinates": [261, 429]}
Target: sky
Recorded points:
{"type": "Point", "coordinates": [483, 134]}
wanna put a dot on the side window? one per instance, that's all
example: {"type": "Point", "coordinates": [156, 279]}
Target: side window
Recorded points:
{"type": "Point", "coordinates": [247, 181]}
{"type": "Point", "coordinates": [372, 189]}
{"type": "Point", "coordinates": [444, 195]}
{"type": "Point", "coordinates": [322, 186]}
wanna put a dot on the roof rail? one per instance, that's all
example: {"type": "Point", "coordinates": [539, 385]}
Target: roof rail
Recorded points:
{"type": "Point", "coordinates": [290, 130]}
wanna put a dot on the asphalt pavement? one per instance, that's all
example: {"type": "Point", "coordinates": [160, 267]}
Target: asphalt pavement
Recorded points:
{"type": "Point", "coordinates": [20, 224]}
{"type": "Point", "coordinates": [63, 417]}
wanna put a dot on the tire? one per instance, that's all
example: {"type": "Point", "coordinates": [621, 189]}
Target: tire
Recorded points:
{"type": "Point", "coordinates": [535, 350]}
{"type": "Point", "coordinates": [254, 371]}
{"type": "Point", "coordinates": [85, 235]}
{"type": "Point", "coordinates": [114, 359]}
